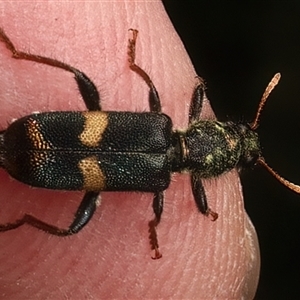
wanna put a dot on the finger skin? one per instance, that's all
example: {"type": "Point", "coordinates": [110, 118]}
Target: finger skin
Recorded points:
{"type": "Point", "coordinates": [110, 258]}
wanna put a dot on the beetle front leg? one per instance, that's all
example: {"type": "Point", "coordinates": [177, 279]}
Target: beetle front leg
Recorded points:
{"type": "Point", "coordinates": [197, 101]}
{"type": "Point", "coordinates": [82, 216]}
{"type": "Point", "coordinates": [200, 197]}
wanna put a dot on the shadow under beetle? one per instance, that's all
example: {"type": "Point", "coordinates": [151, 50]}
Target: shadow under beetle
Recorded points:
{"type": "Point", "coordinates": [97, 151]}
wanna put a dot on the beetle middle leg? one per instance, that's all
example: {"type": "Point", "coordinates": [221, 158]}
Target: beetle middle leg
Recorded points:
{"type": "Point", "coordinates": [86, 87]}
{"type": "Point", "coordinates": [157, 205]}
{"type": "Point", "coordinates": [82, 216]}
{"type": "Point", "coordinates": [154, 101]}
{"type": "Point", "coordinates": [155, 106]}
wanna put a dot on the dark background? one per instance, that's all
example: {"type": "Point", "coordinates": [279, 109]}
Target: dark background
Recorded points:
{"type": "Point", "coordinates": [237, 47]}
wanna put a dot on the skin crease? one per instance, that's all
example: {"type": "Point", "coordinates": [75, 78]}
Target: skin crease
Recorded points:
{"type": "Point", "coordinates": [110, 257]}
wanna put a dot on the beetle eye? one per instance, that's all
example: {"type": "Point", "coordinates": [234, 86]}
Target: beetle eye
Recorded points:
{"type": "Point", "coordinates": [249, 160]}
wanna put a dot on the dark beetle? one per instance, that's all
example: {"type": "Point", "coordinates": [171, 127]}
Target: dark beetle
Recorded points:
{"type": "Point", "coordinates": [121, 151]}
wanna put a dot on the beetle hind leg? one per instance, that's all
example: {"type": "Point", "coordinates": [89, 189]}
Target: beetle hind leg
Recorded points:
{"type": "Point", "coordinates": [86, 87]}
{"type": "Point", "coordinates": [82, 216]}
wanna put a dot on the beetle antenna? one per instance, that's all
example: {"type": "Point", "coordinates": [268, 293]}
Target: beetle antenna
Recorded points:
{"type": "Point", "coordinates": [288, 184]}
{"type": "Point", "coordinates": [274, 81]}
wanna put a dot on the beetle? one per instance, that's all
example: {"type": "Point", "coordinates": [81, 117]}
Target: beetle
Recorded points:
{"type": "Point", "coordinates": [96, 150]}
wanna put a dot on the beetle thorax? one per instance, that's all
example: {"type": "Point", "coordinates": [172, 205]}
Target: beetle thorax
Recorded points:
{"type": "Point", "coordinates": [210, 148]}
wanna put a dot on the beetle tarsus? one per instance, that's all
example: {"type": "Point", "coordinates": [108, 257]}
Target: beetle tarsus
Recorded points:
{"type": "Point", "coordinates": [153, 238]}
{"type": "Point", "coordinates": [213, 215]}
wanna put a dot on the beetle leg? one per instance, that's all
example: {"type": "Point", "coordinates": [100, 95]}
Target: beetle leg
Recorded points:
{"type": "Point", "coordinates": [86, 87]}
{"type": "Point", "coordinates": [84, 212]}
{"type": "Point", "coordinates": [154, 101]}
{"type": "Point", "coordinates": [200, 197]}
{"type": "Point", "coordinates": [157, 205]}
{"type": "Point", "coordinates": [82, 216]}
{"type": "Point", "coordinates": [197, 101]}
